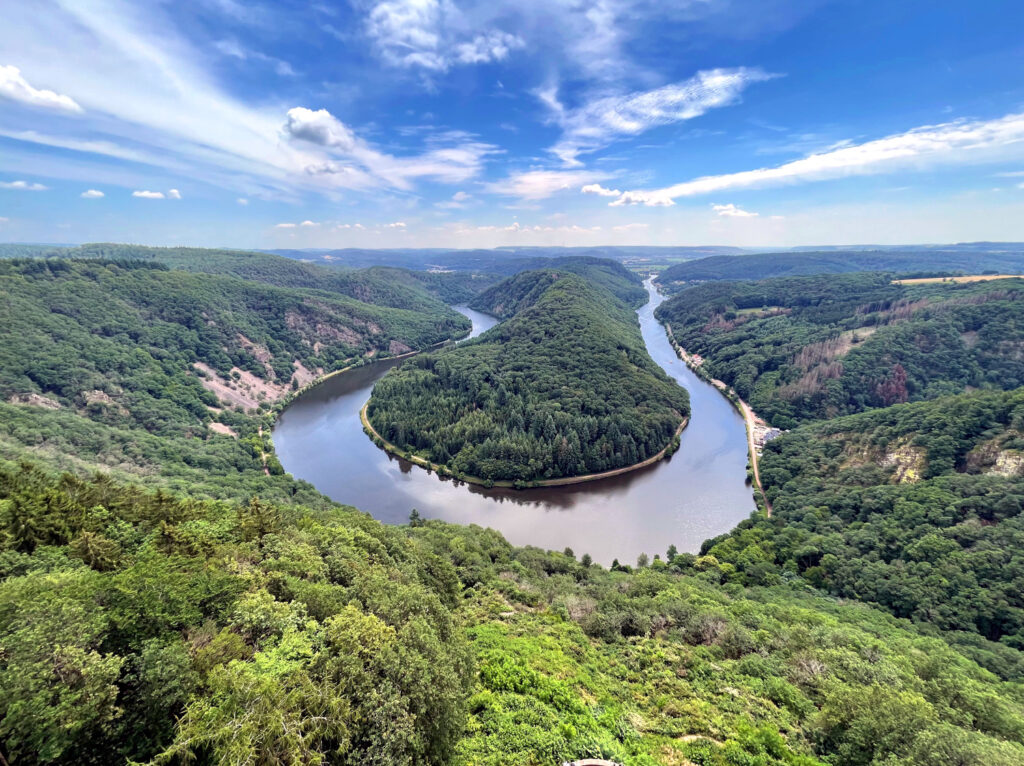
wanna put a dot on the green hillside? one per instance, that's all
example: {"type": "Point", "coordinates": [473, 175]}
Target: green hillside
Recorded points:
{"type": "Point", "coordinates": [139, 369]}
{"type": "Point", "coordinates": [914, 507]}
{"type": "Point", "coordinates": [803, 348]}
{"type": "Point", "coordinates": [143, 626]}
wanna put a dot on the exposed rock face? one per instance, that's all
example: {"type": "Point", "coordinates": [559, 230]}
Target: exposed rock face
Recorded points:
{"type": "Point", "coordinates": [908, 461]}
{"type": "Point", "coordinates": [397, 347]}
{"type": "Point", "coordinates": [36, 400]}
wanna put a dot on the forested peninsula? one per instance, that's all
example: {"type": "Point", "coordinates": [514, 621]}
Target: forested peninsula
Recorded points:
{"type": "Point", "coordinates": [563, 387]}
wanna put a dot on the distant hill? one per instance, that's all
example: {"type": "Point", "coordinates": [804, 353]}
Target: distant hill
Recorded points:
{"type": "Point", "coordinates": [953, 259]}
{"type": "Point", "coordinates": [800, 348]}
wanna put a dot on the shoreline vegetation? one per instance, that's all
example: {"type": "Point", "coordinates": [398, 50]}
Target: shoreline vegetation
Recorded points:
{"type": "Point", "coordinates": [744, 409]}
{"type": "Point", "coordinates": [445, 471]}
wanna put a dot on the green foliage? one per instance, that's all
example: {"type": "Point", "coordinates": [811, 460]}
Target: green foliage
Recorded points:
{"type": "Point", "coordinates": [308, 638]}
{"type": "Point", "coordinates": [564, 387]}
{"type": "Point", "coordinates": [805, 348]}
{"type": "Point", "coordinates": [914, 507]}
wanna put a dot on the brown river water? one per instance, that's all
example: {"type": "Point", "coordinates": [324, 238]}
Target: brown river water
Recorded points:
{"type": "Point", "coordinates": [699, 492]}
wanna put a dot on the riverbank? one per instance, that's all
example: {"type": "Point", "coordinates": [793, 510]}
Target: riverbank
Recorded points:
{"type": "Point", "coordinates": [566, 481]}
{"type": "Point", "coordinates": [750, 418]}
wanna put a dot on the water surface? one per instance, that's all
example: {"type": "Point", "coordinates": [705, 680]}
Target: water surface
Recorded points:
{"type": "Point", "coordinates": [699, 492]}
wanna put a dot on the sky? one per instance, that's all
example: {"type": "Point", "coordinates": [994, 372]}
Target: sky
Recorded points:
{"type": "Point", "coordinates": [465, 123]}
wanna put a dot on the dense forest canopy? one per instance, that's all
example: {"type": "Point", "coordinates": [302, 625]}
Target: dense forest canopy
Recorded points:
{"type": "Point", "coordinates": [802, 348]}
{"type": "Point", "coordinates": [148, 627]}
{"type": "Point", "coordinates": [136, 368]}
{"type": "Point", "coordinates": [997, 259]}
{"type": "Point", "coordinates": [915, 507]}
{"type": "Point", "coordinates": [563, 387]}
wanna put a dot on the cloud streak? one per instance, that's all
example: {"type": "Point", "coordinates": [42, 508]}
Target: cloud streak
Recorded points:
{"type": "Point", "coordinates": [601, 121]}
{"type": "Point", "coordinates": [541, 184]}
{"type": "Point", "coordinates": [950, 143]}
{"type": "Point", "coordinates": [16, 88]}
{"type": "Point", "coordinates": [22, 186]}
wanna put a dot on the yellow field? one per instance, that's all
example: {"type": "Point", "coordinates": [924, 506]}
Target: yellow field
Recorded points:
{"type": "Point", "coordinates": [966, 278]}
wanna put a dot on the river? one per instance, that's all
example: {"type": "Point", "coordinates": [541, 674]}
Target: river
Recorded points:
{"type": "Point", "coordinates": [699, 492]}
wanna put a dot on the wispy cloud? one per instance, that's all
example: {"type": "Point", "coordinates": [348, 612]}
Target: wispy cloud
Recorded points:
{"type": "Point", "coordinates": [22, 186]}
{"type": "Point", "coordinates": [16, 88]}
{"type": "Point", "coordinates": [600, 190]}
{"type": "Point", "coordinates": [352, 162]}
{"type": "Point", "coordinates": [540, 184]}
{"type": "Point", "coordinates": [92, 194]}
{"type": "Point", "coordinates": [951, 143]}
{"type": "Point", "coordinates": [599, 122]}
{"type": "Point", "coordinates": [731, 211]}
{"type": "Point", "coordinates": [433, 35]}
{"type": "Point", "coordinates": [151, 95]}
{"type": "Point", "coordinates": [146, 194]}
{"type": "Point", "coordinates": [233, 49]}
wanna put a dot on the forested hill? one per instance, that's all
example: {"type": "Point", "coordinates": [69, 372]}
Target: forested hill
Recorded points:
{"type": "Point", "coordinates": [523, 290]}
{"type": "Point", "coordinates": [1008, 260]}
{"type": "Point", "coordinates": [915, 507]}
{"type": "Point", "coordinates": [803, 348]}
{"type": "Point", "coordinates": [396, 288]}
{"type": "Point", "coordinates": [137, 368]}
{"type": "Point", "coordinates": [564, 387]}
{"type": "Point", "coordinates": [144, 627]}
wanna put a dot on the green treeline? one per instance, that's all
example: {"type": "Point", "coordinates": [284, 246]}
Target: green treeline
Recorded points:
{"type": "Point", "coordinates": [934, 261]}
{"type": "Point", "coordinates": [564, 387]}
{"type": "Point", "coordinates": [146, 627]}
{"type": "Point", "coordinates": [395, 288]}
{"type": "Point", "coordinates": [804, 348]}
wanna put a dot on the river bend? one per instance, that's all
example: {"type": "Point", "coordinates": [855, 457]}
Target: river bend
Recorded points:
{"type": "Point", "coordinates": [699, 492]}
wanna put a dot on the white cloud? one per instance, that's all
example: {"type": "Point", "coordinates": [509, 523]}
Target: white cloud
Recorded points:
{"type": "Point", "coordinates": [600, 190]}
{"type": "Point", "coordinates": [144, 194]}
{"type": "Point", "coordinates": [630, 227]}
{"type": "Point", "coordinates": [320, 127]}
{"type": "Point", "coordinates": [731, 211]}
{"type": "Point", "coordinates": [951, 143]}
{"type": "Point", "coordinates": [22, 186]}
{"type": "Point", "coordinates": [540, 184]}
{"type": "Point", "coordinates": [152, 95]}
{"type": "Point", "coordinates": [242, 201]}
{"type": "Point", "coordinates": [599, 122]}
{"type": "Point", "coordinates": [460, 196]}
{"type": "Point", "coordinates": [308, 224]}
{"type": "Point", "coordinates": [92, 194]}
{"type": "Point", "coordinates": [285, 226]}
{"type": "Point", "coordinates": [396, 225]}
{"type": "Point", "coordinates": [16, 88]}
{"type": "Point", "coordinates": [174, 194]}
{"type": "Point", "coordinates": [433, 35]}
{"type": "Point", "coordinates": [492, 46]}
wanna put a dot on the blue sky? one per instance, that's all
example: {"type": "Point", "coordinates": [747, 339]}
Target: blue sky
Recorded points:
{"type": "Point", "coordinates": [449, 123]}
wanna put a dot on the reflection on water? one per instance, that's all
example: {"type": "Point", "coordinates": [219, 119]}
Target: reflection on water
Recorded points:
{"type": "Point", "coordinates": [699, 492]}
